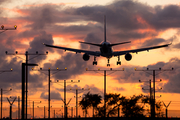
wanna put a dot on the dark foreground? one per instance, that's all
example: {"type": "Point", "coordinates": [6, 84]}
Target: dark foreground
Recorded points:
{"type": "Point", "coordinates": [110, 118]}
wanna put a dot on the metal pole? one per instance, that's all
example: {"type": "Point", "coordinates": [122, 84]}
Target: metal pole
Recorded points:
{"type": "Point", "coordinates": [23, 90]}
{"type": "Point", "coordinates": [26, 81]}
{"type": "Point", "coordinates": [10, 114]}
{"type": "Point", "coordinates": [18, 107]}
{"type": "Point", "coordinates": [44, 112]}
{"type": "Point", "coordinates": [72, 112]}
{"type": "Point", "coordinates": [33, 109]}
{"type": "Point", "coordinates": [65, 112]}
{"type": "Point", "coordinates": [154, 93]}
{"type": "Point", "coordinates": [151, 105]}
{"type": "Point", "coordinates": [54, 113]}
{"type": "Point", "coordinates": [104, 93]}
{"type": "Point", "coordinates": [76, 103]}
{"type": "Point", "coordinates": [49, 95]}
{"type": "Point", "coordinates": [1, 101]}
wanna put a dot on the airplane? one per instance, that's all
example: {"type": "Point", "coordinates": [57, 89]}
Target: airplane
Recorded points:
{"type": "Point", "coordinates": [106, 49]}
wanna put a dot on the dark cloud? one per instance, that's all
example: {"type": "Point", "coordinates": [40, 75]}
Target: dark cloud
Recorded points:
{"type": "Point", "coordinates": [54, 95]}
{"type": "Point", "coordinates": [37, 45]}
{"type": "Point", "coordinates": [153, 42]}
{"type": "Point", "coordinates": [166, 17]}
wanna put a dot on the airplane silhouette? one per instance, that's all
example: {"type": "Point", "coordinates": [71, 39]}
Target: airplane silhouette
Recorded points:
{"type": "Point", "coordinates": [106, 49]}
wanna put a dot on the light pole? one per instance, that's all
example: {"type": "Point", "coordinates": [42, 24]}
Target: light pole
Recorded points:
{"type": "Point", "coordinates": [153, 100]}
{"type": "Point", "coordinates": [166, 108]}
{"type": "Point", "coordinates": [65, 104]}
{"type": "Point", "coordinates": [33, 107]}
{"type": "Point", "coordinates": [77, 99]}
{"type": "Point", "coordinates": [1, 100]}
{"type": "Point", "coordinates": [4, 29]}
{"type": "Point", "coordinates": [49, 80]}
{"type": "Point", "coordinates": [26, 74]}
{"type": "Point", "coordinates": [11, 103]}
{"type": "Point", "coordinates": [23, 88]}
{"type": "Point", "coordinates": [2, 71]}
{"type": "Point", "coordinates": [105, 84]}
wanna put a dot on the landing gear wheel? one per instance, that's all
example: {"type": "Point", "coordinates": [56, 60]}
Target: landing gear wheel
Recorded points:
{"type": "Point", "coordinates": [118, 62]}
{"type": "Point", "coordinates": [95, 63]}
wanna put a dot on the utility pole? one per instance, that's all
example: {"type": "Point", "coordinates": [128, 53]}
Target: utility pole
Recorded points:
{"type": "Point", "coordinates": [54, 113]}
{"type": "Point", "coordinates": [150, 96]}
{"type": "Point", "coordinates": [65, 104]}
{"type": "Point", "coordinates": [33, 108]}
{"type": "Point", "coordinates": [153, 113]}
{"type": "Point", "coordinates": [44, 112]}
{"type": "Point", "coordinates": [23, 88]}
{"type": "Point", "coordinates": [2, 100]}
{"type": "Point", "coordinates": [18, 107]}
{"type": "Point", "coordinates": [11, 103]}
{"type": "Point", "coordinates": [77, 99]}
{"type": "Point", "coordinates": [49, 80]}
{"type": "Point", "coordinates": [2, 71]}
{"type": "Point", "coordinates": [71, 112]}
{"type": "Point", "coordinates": [4, 29]}
{"type": "Point", "coordinates": [26, 73]}
{"type": "Point", "coordinates": [104, 84]}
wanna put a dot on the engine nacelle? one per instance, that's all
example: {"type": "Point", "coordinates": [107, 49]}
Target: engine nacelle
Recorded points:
{"type": "Point", "coordinates": [128, 57]}
{"type": "Point", "coordinates": [86, 57]}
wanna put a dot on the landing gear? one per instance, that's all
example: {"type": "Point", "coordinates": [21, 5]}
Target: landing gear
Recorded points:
{"type": "Point", "coordinates": [108, 63]}
{"type": "Point", "coordinates": [118, 62]}
{"type": "Point", "coordinates": [94, 62]}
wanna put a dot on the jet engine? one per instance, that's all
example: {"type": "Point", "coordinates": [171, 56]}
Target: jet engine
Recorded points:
{"type": "Point", "coordinates": [86, 57]}
{"type": "Point", "coordinates": [128, 57]}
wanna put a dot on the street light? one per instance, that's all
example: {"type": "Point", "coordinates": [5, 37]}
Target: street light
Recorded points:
{"type": "Point", "coordinates": [2, 28]}
{"type": "Point", "coordinates": [1, 99]}
{"type": "Point", "coordinates": [33, 107]}
{"type": "Point", "coordinates": [49, 80]}
{"type": "Point", "coordinates": [23, 87]}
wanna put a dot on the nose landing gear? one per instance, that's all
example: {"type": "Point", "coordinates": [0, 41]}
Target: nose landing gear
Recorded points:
{"type": "Point", "coordinates": [108, 63]}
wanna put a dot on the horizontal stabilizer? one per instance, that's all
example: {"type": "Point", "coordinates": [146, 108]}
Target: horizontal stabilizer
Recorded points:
{"type": "Point", "coordinates": [91, 43]}
{"type": "Point", "coordinates": [119, 43]}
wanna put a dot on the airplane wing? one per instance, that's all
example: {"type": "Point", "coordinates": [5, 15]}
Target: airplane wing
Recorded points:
{"type": "Point", "coordinates": [118, 53]}
{"type": "Point", "coordinates": [94, 53]}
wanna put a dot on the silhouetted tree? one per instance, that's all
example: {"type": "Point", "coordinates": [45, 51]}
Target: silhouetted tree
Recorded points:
{"type": "Point", "coordinates": [112, 104]}
{"type": "Point", "coordinates": [90, 100]}
{"type": "Point", "coordinates": [131, 107]}
{"type": "Point", "coordinates": [158, 106]}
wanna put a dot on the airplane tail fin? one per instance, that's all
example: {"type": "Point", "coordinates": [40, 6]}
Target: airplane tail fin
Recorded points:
{"type": "Point", "coordinates": [104, 28]}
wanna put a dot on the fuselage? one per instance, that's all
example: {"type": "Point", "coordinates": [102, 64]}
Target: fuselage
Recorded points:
{"type": "Point", "coordinates": [106, 50]}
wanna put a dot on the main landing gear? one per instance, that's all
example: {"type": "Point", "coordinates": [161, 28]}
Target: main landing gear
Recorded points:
{"type": "Point", "coordinates": [94, 62]}
{"type": "Point", "coordinates": [118, 62]}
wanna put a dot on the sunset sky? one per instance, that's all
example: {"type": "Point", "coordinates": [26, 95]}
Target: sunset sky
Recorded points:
{"type": "Point", "coordinates": [145, 23]}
